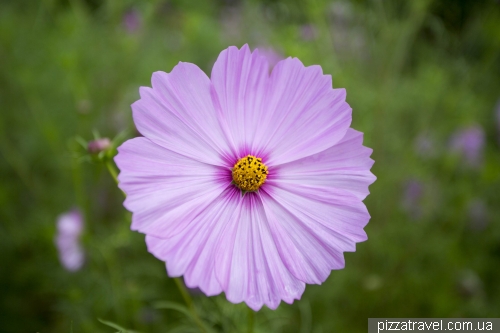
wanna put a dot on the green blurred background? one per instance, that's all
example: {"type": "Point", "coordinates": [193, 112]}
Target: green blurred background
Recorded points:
{"type": "Point", "coordinates": [422, 77]}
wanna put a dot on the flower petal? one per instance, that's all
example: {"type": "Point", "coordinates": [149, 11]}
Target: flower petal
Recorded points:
{"type": "Point", "coordinates": [313, 226]}
{"type": "Point", "coordinates": [247, 263]}
{"type": "Point", "coordinates": [344, 166]}
{"type": "Point", "coordinates": [304, 115]}
{"type": "Point", "coordinates": [240, 81]}
{"type": "Point", "coordinates": [178, 114]}
{"type": "Point", "coordinates": [165, 190]}
{"type": "Point", "coordinates": [71, 254]}
{"type": "Point", "coordinates": [191, 253]}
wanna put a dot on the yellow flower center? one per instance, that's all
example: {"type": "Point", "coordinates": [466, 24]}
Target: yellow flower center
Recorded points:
{"type": "Point", "coordinates": [249, 173]}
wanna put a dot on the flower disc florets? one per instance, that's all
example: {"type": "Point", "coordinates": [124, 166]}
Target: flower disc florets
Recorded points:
{"type": "Point", "coordinates": [249, 173]}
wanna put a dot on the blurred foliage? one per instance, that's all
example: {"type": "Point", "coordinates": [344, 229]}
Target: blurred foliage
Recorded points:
{"type": "Point", "coordinates": [413, 70]}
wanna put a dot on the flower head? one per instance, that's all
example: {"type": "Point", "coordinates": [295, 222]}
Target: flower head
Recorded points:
{"type": "Point", "coordinates": [258, 234]}
{"type": "Point", "coordinates": [132, 21]}
{"type": "Point", "coordinates": [69, 229]}
{"type": "Point", "coordinates": [469, 143]}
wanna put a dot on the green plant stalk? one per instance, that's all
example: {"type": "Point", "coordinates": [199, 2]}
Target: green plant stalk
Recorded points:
{"type": "Point", "coordinates": [189, 302]}
{"type": "Point", "coordinates": [112, 170]}
{"type": "Point", "coordinates": [251, 315]}
{"type": "Point", "coordinates": [185, 295]}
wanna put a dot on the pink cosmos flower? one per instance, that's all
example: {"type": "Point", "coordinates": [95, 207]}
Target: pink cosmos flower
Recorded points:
{"type": "Point", "coordinates": [247, 183]}
{"type": "Point", "coordinates": [69, 229]}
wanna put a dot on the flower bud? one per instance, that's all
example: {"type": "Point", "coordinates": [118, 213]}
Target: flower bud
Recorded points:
{"type": "Point", "coordinates": [96, 146]}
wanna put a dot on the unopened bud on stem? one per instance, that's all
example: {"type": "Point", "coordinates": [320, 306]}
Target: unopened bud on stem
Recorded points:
{"type": "Point", "coordinates": [96, 146]}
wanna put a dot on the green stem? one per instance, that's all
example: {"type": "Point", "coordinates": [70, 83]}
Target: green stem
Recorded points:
{"type": "Point", "coordinates": [185, 295]}
{"type": "Point", "coordinates": [184, 292]}
{"type": "Point", "coordinates": [251, 315]}
{"type": "Point", "coordinates": [112, 170]}
{"type": "Point", "coordinates": [189, 302]}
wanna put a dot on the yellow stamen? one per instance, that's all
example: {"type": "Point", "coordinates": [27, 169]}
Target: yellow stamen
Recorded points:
{"type": "Point", "coordinates": [249, 173]}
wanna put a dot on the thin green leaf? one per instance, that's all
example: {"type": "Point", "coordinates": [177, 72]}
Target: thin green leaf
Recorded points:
{"type": "Point", "coordinates": [173, 306]}
{"type": "Point", "coordinates": [81, 141]}
{"type": "Point", "coordinates": [116, 326]}
{"type": "Point", "coordinates": [119, 138]}
{"type": "Point", "coordinates": [96, 134]}
{"type": "Point", "coordinates": [182, 309]}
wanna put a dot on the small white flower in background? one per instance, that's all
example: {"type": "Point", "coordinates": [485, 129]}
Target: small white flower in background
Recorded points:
{"type": "Point", "coordinates": [69, 230]}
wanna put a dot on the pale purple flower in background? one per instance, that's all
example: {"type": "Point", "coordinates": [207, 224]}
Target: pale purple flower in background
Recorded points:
{"type": "Point", "coordinates": [246, 182]}
{"type": "Point", "coordinates": [412, 197]}
{"type": "Point", "coordinates": [477, 214]}
{"type": "Point", "coordinates": [132, 21]}
{"type": "Point", "coordinates": [272, 56]}
{"type": "Point", "coordinates": [96, 146]}
{"type": "Point", "coordinates": [69, 229]}
{"type": "Point", "coordinates": [469, 143]}
{"type": "Point", "coordinates": [308, 32]}
{"type": "Point", "coordinates": [70, 223]}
